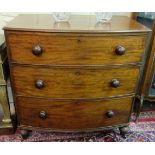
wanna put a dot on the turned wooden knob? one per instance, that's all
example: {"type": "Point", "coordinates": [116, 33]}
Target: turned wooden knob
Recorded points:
{"type": "Point", "coordinates": [42, 114]}
{"type": "Point", "coordinates": [39, 84]}
{"type": "Point", "coordinates": [110, 114]}
{"type": "Point", "coordinates": [37, 50]}
{"type": "Point", "coordinates": [115, 83]}
{"type": "Point", "coordinates": [120, 50]}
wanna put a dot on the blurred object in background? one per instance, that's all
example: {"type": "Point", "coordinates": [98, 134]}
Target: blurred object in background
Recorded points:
{"type": "Point", "coordinates": [5, 18]}
{"type": "Point", "coordinates": [146, 18]}
{"type": "Point", "coordinates": [61, 16]}
{"type": "Point", "coordinates": [6, 126]}
{"type": "Point", "coordinates": [103, 17]}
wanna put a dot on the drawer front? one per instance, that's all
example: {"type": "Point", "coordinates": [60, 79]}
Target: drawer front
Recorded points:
{"type": "Point", "coordinates": [72, 114]}
{"type": "Point", "coordinates": [74, 82]}
{"type": "Point", "coordinates": [74, 50]}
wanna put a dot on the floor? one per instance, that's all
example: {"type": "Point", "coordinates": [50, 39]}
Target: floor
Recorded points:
{"type": "Point", "coordinates": [141, 131]}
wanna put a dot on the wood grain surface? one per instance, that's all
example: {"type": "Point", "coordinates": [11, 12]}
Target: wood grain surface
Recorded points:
{"type": "Point", "coordinates": [74, 83]}
{"type": "Point", "coordinates": [73, 114]}
{"type": "Point", "coordinates": [76, 67]}
{"type": "Point", "coordinates": [74, 49]}
{"type": "Point", "coordinates": [77, 23]}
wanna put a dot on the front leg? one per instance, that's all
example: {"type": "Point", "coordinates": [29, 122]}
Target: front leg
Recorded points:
{"type": "Point", "coordinates": [123, 131]}
{"type": "Point", "coordinates": [24, 133]}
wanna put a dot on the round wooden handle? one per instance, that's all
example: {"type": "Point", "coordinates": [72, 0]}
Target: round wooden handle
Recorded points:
{"type": "Point", "coordinates": [39, 84]}
{"type": "Point", "coordinates": [37, 50]}
{"type": "Point", "coordinates": [120, 50]}
{"type": "Point", "coordinates": [110, 114]}
{"type": "Point", "coordinates": [115, 83]}
{"type": "Point", "coordinates": [42, 115]}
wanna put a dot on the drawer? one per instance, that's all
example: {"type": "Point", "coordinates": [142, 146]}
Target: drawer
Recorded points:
{"type": "Point", "coordinates": [68, 82]}
{"type": "Point", "coordinates": [73, 114]}
{"type": "Point", "coordinates": [74, 50]}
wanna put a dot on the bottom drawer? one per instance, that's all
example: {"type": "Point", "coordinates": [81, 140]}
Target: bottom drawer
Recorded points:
{"type": "Point", "coordinates": [71, 115]}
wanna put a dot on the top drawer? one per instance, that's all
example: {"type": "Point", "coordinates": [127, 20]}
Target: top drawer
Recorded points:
{"type": "Point", "coordinates": [78, 49]}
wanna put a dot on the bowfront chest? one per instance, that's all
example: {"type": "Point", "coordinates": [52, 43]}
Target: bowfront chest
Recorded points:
{"type": "Point", "coordinates": [74, 76]}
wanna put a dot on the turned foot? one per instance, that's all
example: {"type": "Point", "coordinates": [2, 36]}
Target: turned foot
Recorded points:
{"type": "Point", "coordinates": [24, 133]}
{"type": "Point", "coordinates": [123, 131]}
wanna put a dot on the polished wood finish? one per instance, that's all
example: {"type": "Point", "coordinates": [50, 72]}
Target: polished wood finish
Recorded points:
{"type": "Point", "coordinates": [74, 83]}
{"type": "Point", "coordinates": [76, 49]}
{"type": "Point", "coordinates": [73, 114]}
{"type": "Point", "coordinates": [134, 15]}
{"type": "Point", "coordinates": [74, 76]}
{"type": "Point", "coordinates": [76, 24]}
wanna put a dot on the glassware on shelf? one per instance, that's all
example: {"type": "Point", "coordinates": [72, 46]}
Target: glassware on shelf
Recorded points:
{"type": "Point", "coordinates": [61, 16]}
{"type": "Point", "coordinates": [103, 26]}
{"type": "Point", "coordinates": [61, 25]}
{"type": "Point", "coordinates": [103, 17]}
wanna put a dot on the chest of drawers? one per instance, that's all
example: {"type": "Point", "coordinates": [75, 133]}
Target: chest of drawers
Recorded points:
{"type": "Point", "coordinates": [75, 76]}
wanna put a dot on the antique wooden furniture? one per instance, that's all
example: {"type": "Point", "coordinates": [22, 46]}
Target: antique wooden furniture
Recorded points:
{"type": "Point", "coordinates": [6, 126]}
{"type": "Point", "coordinates": [74, 76]}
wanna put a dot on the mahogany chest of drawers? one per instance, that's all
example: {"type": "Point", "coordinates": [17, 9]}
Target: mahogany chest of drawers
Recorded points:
{"type": "Point", "coordinates": [74, 76]}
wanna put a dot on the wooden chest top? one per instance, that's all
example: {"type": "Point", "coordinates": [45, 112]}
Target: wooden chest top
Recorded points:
{"type": "Point", "coordinates": [77, 23]}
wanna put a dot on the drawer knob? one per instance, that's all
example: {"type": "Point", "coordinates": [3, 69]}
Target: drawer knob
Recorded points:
{"type": "Point", "coordinates": [120, 50]}
{"type": "Point", "coordinates": [110, 114]}
{"type": "Point", "coordinates": [39, 84]}
{"type": "Point", "coordinates": [37, 50]}
{"type": "Point", "coordinates": [115, 83]}
{"type": "Point", "coordinates": [42, 115]}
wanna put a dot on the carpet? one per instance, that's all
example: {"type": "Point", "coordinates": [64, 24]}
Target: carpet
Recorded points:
{"type": "Point", "coordinates": [141, 131]}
